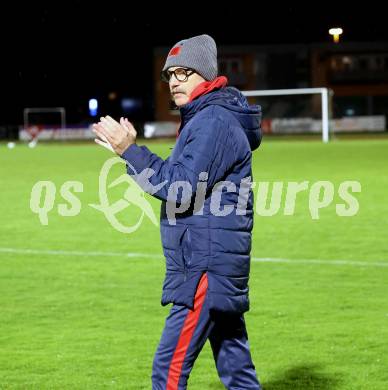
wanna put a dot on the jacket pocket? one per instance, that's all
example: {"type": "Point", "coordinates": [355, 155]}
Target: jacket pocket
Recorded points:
{"type": "Point", "coordinates": [172, 236]}
{"type": "Point", "coordinates": [185, 244]}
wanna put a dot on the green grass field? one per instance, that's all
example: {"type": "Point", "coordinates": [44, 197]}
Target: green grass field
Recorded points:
{"type": "Point", "coordinates": [77, 313]}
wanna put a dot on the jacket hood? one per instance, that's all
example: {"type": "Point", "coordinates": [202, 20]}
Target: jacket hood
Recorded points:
{"type": "Point", "coordinates": [249, 116]}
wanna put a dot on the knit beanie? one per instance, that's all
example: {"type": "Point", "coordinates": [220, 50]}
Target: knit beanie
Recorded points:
{"type": "Point", "coordinates": [198, 53]}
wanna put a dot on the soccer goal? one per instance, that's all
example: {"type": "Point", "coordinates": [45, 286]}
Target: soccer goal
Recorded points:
{"type": "Point", "coordinates": [291, 111]}
{"type": "Point", "coordinates": [37, 119]}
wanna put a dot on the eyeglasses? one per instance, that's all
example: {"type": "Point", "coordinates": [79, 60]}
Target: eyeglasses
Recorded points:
{"type": "Point", "coordinates": [181, 74]}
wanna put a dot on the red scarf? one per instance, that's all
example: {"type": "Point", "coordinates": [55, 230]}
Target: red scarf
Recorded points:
{"type": "Point", "coordinates": [208, 86]}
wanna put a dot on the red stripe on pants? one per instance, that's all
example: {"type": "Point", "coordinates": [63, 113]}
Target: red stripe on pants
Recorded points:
{"type": "Point", "coordinates": [174, 372]}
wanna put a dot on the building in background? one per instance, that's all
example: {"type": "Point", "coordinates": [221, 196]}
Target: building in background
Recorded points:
{"type": "Point", "coordinates": [357, 73]}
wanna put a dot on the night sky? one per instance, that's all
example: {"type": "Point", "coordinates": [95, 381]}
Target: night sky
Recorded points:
{"type": "Point", "coordinates": [63, 55]}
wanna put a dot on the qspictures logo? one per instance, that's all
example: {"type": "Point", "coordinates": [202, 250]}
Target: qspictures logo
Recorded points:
{"type": "Point", "coordinates": [271, 198]}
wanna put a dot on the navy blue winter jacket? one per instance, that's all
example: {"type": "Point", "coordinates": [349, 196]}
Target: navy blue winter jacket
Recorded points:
{"type": "Point", "coordinates": [218, 133]}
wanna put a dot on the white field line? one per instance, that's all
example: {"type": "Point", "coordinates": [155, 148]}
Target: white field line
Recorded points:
{"type": "Point", "coordinates": [322, 262]}
{"type": "Point", "coordinates": [16, 251]}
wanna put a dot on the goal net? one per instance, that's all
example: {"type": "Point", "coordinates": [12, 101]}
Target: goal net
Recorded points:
{"type": "Point", "coordinates": [294, 111]}
{"type": "Point", "coordinates": [38, 119]}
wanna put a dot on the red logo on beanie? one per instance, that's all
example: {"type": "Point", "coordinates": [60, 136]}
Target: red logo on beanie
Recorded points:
{"type": "Point", "coordinates": [174, 51]}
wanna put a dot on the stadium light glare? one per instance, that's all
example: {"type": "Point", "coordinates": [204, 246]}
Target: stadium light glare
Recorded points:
{"type": "Point", "coordinates": [93, 107]}
{"type": "Point", "coordinates": [336, 32]}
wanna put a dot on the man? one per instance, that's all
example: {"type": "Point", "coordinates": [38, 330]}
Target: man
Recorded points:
{"type": "Point", "coordinates": [207, 246]}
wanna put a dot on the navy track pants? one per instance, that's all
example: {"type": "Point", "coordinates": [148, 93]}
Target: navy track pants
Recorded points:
{"type": "Point", "coordinates": [184, 335]}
